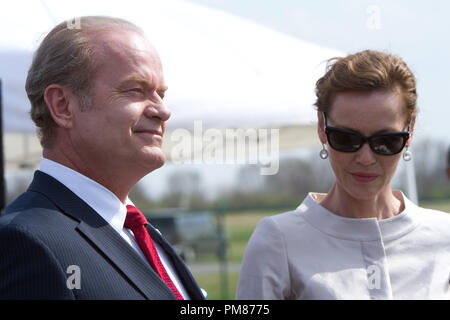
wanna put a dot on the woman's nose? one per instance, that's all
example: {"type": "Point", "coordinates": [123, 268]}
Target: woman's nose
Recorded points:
{"type": "Point", "coordinates": [365, 155]}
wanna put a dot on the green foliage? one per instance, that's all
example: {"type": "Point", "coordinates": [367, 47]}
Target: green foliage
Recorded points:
{"type": "Point", "coordinates": [439, 204]}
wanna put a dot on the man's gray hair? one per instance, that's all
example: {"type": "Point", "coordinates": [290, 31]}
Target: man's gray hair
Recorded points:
{"type": "Point", "coordinates": [66, 57]}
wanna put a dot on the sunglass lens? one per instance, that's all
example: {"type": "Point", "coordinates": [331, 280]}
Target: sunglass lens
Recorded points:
{"type": "Point", "coordinates": [345, 142]}
{"type": "Point", "coordinates": [388, 145]}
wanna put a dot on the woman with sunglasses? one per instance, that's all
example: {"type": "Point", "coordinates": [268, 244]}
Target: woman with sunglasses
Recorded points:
{"type": "Point", "coordinates": [361, 240]}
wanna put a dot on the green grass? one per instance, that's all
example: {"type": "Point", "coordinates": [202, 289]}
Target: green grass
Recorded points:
{"type": "Point", "coordinates": [212, 283]}
{"type": "Point", "coordinates": [441, 205]}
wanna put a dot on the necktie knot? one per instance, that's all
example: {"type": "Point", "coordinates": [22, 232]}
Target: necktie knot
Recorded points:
{"type": "Point", "coordinates": [135, 218]}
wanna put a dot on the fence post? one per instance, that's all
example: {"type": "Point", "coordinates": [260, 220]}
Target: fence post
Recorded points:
{"type": "Point", "coordinates": [222, 250]}
{"type": "Point", "coordinates": [2, 162]}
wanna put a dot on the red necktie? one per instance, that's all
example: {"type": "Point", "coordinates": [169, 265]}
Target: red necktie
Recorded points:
{"type": "Point", "coordinates": [136, 222]}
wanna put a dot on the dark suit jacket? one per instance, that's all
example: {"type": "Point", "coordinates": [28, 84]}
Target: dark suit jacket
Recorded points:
{"type": "Point", "coordinates": [48, 229]}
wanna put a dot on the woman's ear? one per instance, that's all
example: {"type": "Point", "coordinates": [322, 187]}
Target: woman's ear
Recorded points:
{"type": "Point", "coordinates": [411, 131]}
{"type": "Point", "coordinates": [321, 128]}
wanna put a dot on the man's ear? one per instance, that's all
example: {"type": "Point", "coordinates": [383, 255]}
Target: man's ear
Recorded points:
{"type": "Point", "coordinates": [321, 128]}
{"type": "Point", "coordinates": [60, 102]}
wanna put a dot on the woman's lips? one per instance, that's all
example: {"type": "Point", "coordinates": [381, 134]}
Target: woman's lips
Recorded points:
{"type": "Point", "coordinates": [364, 177]}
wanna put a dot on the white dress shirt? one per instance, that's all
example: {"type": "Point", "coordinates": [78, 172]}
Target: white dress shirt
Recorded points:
{"type": "Point", "coordinates": [109, 207]}
{"type": "Point", "coordinates": [312, 253]}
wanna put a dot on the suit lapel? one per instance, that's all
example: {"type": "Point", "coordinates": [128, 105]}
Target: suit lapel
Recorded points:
{"type": "Point", "coordinates": [185, 275]}
{"type": "Point", "coordinates": [125, 258]}
{"type": "Point", "coordinates": [103, 236]}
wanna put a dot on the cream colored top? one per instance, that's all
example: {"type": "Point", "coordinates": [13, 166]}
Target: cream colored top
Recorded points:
{"type": "Point", "coordinates": [311, 253]}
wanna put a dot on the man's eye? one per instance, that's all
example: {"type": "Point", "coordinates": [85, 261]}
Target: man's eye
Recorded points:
{"type": "Point", "coordinates": [138, 90]}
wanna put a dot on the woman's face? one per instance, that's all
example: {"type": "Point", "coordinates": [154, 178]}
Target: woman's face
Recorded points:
{"type": "Point", "coordinates": [364, 174]}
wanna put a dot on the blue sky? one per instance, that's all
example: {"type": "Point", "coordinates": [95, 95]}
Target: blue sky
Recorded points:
{"type": "Point", "coordinates": [418, 31]}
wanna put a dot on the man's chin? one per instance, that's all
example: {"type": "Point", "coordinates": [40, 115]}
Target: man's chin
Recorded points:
{"type": "Point", "coordinates": [154, 159]}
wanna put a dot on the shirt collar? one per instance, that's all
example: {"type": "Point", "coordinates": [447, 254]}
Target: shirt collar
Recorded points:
{"type": "Point", "coordinates": [102, 200]}
{"type": "Point", "coordinates": [365, 229]}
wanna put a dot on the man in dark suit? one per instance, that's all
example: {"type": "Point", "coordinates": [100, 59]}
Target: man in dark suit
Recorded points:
{"type": "Point", "coordinates": [96, 92]}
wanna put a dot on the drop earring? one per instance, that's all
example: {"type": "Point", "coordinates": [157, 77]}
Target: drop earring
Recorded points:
{"type": "Point", "coordinates": [407, 155]}
{"type": "Point", "coordinates": [323, 153]}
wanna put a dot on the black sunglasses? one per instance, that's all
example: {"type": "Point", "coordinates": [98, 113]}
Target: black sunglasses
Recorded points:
{"type": "Point", "coordinates": [385, 144]}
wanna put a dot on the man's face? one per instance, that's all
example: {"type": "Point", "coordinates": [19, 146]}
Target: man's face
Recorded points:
{"type": "Point", "coordinates": [123, 128]}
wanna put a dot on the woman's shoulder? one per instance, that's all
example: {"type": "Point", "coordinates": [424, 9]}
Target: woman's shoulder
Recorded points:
{"type": "Point", "coordinates": [434, 224]}
{"type": "Point", "coordinates": [283, 218]}
{"type": "Point", "coordinates": [424, 214]}
{"type": "Point", "coordinates": [433, 215]}
{"type": "Point", "coordinates": [287, 222]}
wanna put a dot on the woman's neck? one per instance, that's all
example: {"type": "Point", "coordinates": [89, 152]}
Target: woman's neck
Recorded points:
{"type": "Point", "coordinates": [383, 205]}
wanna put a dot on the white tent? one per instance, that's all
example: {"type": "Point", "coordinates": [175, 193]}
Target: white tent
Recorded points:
{"type": "Point", "coordinates": [223, 70]}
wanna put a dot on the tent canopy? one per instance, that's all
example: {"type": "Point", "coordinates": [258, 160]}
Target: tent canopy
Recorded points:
{"type": "Point", "coordinates": [220, 69]}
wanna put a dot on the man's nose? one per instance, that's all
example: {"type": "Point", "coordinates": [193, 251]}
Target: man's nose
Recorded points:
{"type": "Point", "coordinates": [365, 155]}
{"type": "Point", "coordinates": [159, 110]}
